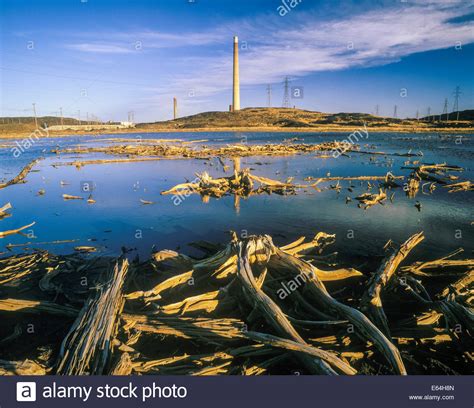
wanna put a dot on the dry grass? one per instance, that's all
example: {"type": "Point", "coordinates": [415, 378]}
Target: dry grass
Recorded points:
{"type": "Point", "coordinates": [262, 120]}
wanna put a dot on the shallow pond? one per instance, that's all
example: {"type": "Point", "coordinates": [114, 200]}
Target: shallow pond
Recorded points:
{"type": "Point", "coordinates": [118, 219]}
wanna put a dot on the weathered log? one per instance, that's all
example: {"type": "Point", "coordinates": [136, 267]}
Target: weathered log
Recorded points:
{"type": "Point", "coordinates": [81, 163]}
{"type": "Point", "coordinates": [361, 178]}
{"type": "Point", "coordinates": [36, 307]}
{"type": "Point", "coordinates": [320, 240]}
{"type": "Point", "coordinates": [206, 330]}
{"type": "Point", "coordinates": [87, 347]}
{"type": "Point", "coordinates": [461, 286]}
{"type": "Point", "coordinates": [85, 249]}
{"type": "Point", "coordinates": [463, 186]}
{"type": "Point", "coordinates": [413, 186]}
{"type": "Point", "coordinates": [4, 209]}
{"type": "Point", "coordinates": [320, 296]}
{"type": "Point", "coordinates": [72, 197]}
{"type": "Point", "coordinates": [212, 269]}
{"type": "Point", "coordinates": [434, 172]}
{"type": "Point", "coordinates": [122, 366]}
{"type": "Point", "coordinates": [223, 264]}
{"type": "Point", "coordinates": [4, 234]}
{"type": "Point", "coordinates": [269, 309]}
{"type": "Point", "coordinates": [26, 367]}
{"type": "Point", "coordinates": [441, 267]}
{"type": "Point", "coordinates": [14, 268]}
{"type": "Point", "coordinates": [160, 149]}
{"type": "Point", "coordinates": [27, 244]}
{"type": "Point", "coordinates": [407, 154]}
{"type": "Point", "coordinates": [329, 357]}
{"type": "Point", "coordinates": [240, 183]}
{"type": "Point", "coordinates": [370, 200]}
{"type": "Point", "coordinates": [206, 302]}
{"type": "Point", "coordinates": [20, 178]}
{"type": "Point", "coordinates": [371, 302]}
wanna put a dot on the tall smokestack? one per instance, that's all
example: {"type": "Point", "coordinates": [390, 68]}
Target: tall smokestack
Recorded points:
{"type": "Point", "coordinates": [175, 108]}
{"type": "Point", "coordinates": [236, 87]}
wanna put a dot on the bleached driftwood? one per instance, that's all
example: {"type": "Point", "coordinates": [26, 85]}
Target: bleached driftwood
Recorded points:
{"type": "Point", "coordinates": [87, 347]}
{"type": "Point", "coordinates": [20, 178]}
{"type": "Point", "coordinates": [371, 302]}
{"type": "Point", "coordinates": [4, 234]}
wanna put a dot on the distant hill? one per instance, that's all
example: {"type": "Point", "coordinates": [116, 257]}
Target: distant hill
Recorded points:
{"type": "Point", "coordinates": [296, 118]}
{"type": "Point", "coordinates": [26, 124]}
{"type": "Point", "coordinates": [465, 115]}
{"type": "Point", "coordinates": [50, 120]}
{"type": "Point", "coordinates": [268, 117]}
{"type": "Point", "coordinates": [259, 119]}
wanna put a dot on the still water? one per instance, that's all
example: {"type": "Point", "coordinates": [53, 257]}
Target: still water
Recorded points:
{"type": "Point", "coordinates": [118, 219]}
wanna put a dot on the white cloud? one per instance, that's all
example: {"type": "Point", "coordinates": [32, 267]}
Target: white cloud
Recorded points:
{"type": "Point", "coordinates": [297, 45]}
{"type": "Point", "coordinates": [366, 39]}
{"type": "Point", "coordinates": [100, 48]}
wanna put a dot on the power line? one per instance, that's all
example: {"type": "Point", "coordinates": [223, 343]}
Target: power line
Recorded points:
{"type": "Point", "coordinates": [34, 113]}
{"type": "Point", "coordinates": [269, 96]}
{"type": "Point", "coordinates": [457, 93]}
{"type": "Point", "coordinates": [445, 110]}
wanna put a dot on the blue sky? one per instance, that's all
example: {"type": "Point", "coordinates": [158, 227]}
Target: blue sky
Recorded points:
{"type": "Point", "coordinates": [110, 57]}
